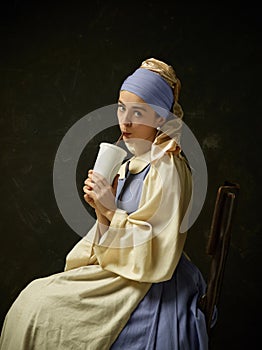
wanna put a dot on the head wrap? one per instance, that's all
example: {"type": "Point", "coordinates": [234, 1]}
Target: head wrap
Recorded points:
{"type": "Point", "coordinates": [152, 88]}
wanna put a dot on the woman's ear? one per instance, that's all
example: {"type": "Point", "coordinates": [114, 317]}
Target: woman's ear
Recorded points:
{"type": "Point", "coordinates": [160, 121]}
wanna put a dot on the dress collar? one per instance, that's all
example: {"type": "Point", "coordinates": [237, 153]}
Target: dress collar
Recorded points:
{"type": "Point", "coordinates": [157, 151]}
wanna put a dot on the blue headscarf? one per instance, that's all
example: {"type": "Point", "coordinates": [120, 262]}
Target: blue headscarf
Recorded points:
{"type": "Point", "coordinates": [152, 88]}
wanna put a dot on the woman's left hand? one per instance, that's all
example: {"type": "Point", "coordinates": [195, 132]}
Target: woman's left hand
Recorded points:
{"type": "Point", "coordinates": [100, 195]}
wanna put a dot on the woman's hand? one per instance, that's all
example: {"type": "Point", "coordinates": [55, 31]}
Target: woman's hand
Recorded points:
{"type": "Point", "coordinates": [100, 195]}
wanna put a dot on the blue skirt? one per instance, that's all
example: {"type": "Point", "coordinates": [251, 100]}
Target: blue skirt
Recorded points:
{"type": "Point", "coordinates": [168, 318]}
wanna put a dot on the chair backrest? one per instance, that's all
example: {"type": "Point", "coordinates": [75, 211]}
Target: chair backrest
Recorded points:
{"type": "Point", "coordinates": [218, 246]}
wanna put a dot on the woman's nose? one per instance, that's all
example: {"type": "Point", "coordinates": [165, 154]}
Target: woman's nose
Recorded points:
{"type": "Point", "coordinates": [127, 123]}
{"type": "Point", "coordinates": [126, 119]}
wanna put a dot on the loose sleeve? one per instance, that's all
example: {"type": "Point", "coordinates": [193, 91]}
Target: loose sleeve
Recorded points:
{"type": "Point", "coordinates": [146, 245]}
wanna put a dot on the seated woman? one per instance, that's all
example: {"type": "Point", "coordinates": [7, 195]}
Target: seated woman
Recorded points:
{"type": "Point", "coordinates": [127, 283]}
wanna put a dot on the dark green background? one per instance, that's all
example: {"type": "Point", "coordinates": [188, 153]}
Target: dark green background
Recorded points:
{"type": "Point", "coordinates": [61, 60]}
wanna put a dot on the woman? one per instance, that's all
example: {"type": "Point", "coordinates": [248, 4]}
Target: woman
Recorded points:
{"type": "Point", "coordinates": [127, 283]}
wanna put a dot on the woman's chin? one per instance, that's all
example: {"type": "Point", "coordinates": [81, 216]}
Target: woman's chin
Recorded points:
{"type": "Point", "coordinates": [137, 146]}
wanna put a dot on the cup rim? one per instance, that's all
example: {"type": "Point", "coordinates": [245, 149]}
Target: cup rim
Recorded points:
{"type": "Point", "coordinates": [113, 146]}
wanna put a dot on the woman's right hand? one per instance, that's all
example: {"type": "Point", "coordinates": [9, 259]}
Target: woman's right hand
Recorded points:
{"type": "Point", "coordinates": [100, 194]}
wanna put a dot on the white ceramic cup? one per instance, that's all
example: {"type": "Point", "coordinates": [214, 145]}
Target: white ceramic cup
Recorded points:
{"type": "Point", "coordinates": [109, 160]}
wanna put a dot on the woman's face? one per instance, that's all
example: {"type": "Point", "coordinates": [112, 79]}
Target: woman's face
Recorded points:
{"type": "Point", "coordinates": [137, 119]}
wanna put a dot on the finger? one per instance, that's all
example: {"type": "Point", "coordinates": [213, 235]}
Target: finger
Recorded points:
{"type": "Point", "coordinates": [99, 179]}
{"type": "Point", "coordinates": [94, 185]}
{"type": "Point", "coordinates": [115, 183]}
{"type": "Point", "coordinates": [87, 189]}
{"type": "Point", "coordinates": [90, 198]}
{"type": "Point", "coordinates": [87, 198]}
{"type": "Point", "coordinates": [89, 201]}
{"type": "Point", "coordinates": [90, 178]}
{"type": "Point", "coordinates": [90, 174]}
{"type": "Point", "coordinates": [89, 183]}
{"type": "Point", "coordinates": [91, 194]}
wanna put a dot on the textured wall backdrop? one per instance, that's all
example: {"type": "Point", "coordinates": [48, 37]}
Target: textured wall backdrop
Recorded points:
{"type": "Point", "coordinates": [62, 59]}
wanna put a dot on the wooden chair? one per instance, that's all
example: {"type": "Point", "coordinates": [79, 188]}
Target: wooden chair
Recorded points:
{"type": "Point", "coordinates": [218, 247]}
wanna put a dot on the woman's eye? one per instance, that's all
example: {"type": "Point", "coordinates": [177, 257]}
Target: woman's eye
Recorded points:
{"type": "Point", "coordinates": [138, 114]}
{"type": "Point", "coordinates": [121, 108]}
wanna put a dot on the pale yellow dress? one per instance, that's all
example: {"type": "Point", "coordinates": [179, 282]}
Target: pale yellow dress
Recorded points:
{"type": "Point", "coordinates": [87, 305]}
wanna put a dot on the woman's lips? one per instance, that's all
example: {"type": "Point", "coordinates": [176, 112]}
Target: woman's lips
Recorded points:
{"type": "Point", "coordinates": [127, 134]}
